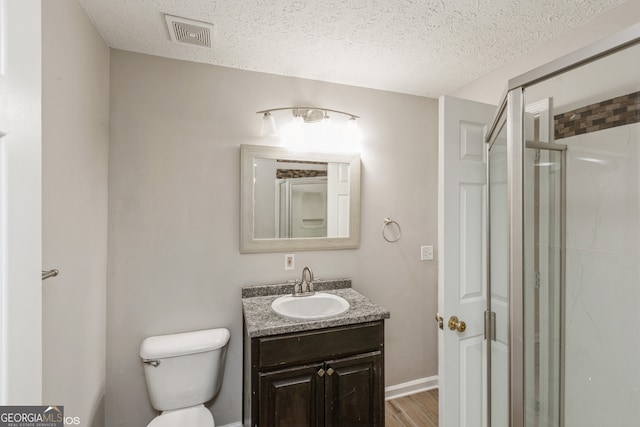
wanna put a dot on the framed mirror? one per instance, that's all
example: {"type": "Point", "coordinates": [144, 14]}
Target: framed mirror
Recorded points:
{"type": "Point", "coordinates": [297, 201]}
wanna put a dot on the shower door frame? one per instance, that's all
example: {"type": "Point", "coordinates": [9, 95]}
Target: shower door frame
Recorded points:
{"type": "Point", "coordinates": [512, 104]}
{"type": "Point", "coordinates": [562, 149]}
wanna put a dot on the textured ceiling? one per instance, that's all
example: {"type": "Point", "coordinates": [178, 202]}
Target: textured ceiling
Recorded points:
{"type": "Point", "coordinates": [420, 47]}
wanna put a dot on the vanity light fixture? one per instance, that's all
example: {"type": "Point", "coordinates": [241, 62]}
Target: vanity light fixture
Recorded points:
{"type": "Point", "coordinates": [301, 115]}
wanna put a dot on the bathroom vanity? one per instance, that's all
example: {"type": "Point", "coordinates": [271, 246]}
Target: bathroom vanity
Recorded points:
{"type": "Point", "coordinates": [325, 372]}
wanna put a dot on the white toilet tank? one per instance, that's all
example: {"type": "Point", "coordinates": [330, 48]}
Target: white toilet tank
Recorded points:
{"type": "Point", "coordinates": [185, 369]}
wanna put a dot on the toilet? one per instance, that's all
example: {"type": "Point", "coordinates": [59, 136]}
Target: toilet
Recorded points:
{"type": "Point", "coordinates": [182, 372]}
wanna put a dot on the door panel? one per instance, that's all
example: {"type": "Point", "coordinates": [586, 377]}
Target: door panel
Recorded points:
{"type": "Point", "coordinates": [338, 189]}
{"type": "Point", "coordinates": [471, 259]}
{"type": "Point", "coordinates": [472, 385]}
{"type": "Point", "coordinates": [461, 276]}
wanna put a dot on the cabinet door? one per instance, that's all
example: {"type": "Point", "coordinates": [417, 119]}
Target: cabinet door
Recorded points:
{"type": "Point", "coordinates": [292, 397]}
{"type": "Point", "coordinates": [353, 391]}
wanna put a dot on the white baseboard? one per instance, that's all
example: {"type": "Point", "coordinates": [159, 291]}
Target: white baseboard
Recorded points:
{"type": "Point", "coordinates": [411, 387]}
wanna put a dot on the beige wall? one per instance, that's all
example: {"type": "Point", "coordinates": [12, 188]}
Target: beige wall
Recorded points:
{"type": "Point", "coordinates": [75, 139]}
{"type": "Point", "coordinates": [174, 261]}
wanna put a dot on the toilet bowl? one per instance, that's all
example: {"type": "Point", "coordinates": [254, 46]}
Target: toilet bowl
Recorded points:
{"type": "Point", "coordinates": [182, 372]}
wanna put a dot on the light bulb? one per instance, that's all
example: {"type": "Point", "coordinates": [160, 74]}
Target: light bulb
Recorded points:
{"type": "Point", "coordinates": [353, 130]}
{"type": "Point", "coordinates": [297, 121]}
{"type": "Point", "coordinates": [268, 125]}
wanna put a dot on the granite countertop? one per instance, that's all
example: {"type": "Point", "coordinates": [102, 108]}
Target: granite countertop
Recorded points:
{"type": "Point", "coordinates": [261, 321]}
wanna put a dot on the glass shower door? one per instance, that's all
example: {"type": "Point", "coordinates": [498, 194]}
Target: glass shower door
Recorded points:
{"type": "Point", "coordinates": [582, 305]}
{"type": "Point", "coordinates": [540, 293]}
{"type": "Point", "coordinates": [564, 242]}
{"type": "Point", "coordinates": [543, 199]}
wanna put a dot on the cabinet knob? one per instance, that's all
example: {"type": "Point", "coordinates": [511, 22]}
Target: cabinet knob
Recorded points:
{"type": "Point", "coordinates": [321, 373]}
{"type": "Point", "coordinates": [330, 371]}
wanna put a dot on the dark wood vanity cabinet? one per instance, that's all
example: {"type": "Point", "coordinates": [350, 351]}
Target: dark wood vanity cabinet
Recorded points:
{"type": "Point", "coordinates": [329, 377]}
{"type": "Point", "coordinates": [354, 393]}
{"type": "Point", "coordinates": [291, 397]}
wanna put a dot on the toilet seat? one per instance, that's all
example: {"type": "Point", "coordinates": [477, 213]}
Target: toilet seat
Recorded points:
{"type": "Point", "coordinates": [195, 416]}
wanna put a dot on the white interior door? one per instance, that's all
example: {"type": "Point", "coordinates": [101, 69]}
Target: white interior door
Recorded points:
{"type": "Point", "coordinates": [462, 260]}
{"type": "Point", "coordinates": [20, 204]}
{"type": "Point", "coordinates": [338, 188]}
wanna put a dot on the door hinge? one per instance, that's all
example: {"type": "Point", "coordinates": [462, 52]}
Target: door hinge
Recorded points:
{"type": "Point", "coordinates": [537, 280]}
{"type": "Point", "coordinates": [489, 325]}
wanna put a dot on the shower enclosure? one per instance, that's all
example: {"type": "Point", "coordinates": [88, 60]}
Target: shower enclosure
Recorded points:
{"type": "Point", "coordinates": [564, 242]}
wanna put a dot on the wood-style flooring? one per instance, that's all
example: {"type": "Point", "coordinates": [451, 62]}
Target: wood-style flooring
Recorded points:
{"type": "Point", "coordinates": [416, 410]}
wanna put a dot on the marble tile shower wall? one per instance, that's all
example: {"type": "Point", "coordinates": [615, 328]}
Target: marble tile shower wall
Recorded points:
{"type": "Point", "coordinates": [620, 111]}
{"type": "Point", "coordinates": [603, 277]}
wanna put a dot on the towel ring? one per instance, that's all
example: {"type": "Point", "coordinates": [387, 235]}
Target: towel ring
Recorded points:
{"type": "Point", "coordinates": [388, 222]}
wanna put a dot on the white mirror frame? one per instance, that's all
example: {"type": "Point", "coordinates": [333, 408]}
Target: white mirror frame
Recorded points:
{"type": "Point", "coordinates": [248, 154]}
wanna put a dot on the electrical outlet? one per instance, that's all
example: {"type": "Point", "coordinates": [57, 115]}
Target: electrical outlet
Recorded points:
{"type": "Point", "coordinates": [289, 262]}
{"type": "Point", "coordinates": [426, 253]}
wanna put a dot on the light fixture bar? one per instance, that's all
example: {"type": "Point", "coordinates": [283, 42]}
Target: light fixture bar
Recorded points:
{"type": "Point", "coordinates": [307, 108]}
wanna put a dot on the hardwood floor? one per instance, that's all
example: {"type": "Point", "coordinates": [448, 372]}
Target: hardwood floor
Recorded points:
{"type": "Point", "coordinates": [416, 410]}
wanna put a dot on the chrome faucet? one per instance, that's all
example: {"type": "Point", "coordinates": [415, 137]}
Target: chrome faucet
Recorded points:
{"type": "Point", "coordinates": [305, 287]}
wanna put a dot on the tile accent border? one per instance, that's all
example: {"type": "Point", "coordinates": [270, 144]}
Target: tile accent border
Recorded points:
{"type": "Point", "coordinates": [299, 173]}
{"type": "Point", "coordinates": [620, 111]}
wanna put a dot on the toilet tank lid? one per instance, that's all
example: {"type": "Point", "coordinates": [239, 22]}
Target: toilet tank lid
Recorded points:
{"type": "Point", "coordinates": [173, 345]}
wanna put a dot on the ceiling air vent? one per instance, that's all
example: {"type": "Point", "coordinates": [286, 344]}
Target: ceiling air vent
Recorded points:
{"type": "Point", "coordinates": [188, 31]}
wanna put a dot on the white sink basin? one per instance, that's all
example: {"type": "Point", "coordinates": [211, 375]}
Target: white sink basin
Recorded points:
{"type": "Point", "coordinates": [318, 306]}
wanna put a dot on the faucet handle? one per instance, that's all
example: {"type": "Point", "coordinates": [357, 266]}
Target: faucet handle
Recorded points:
{"type": "Point", "coordinates": [297, 288]}
{"type": "Point", "coordinates": [304, 286]}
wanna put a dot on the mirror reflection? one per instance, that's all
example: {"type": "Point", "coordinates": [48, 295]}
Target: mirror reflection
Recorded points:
{"type": "Point", "coordinates": [298, 200]}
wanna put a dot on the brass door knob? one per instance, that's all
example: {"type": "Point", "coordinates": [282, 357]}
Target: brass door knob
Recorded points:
{"type": "Point", "coordinates": [330, 371]}
{"type": "Point", "coordinates": [457, 325]}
